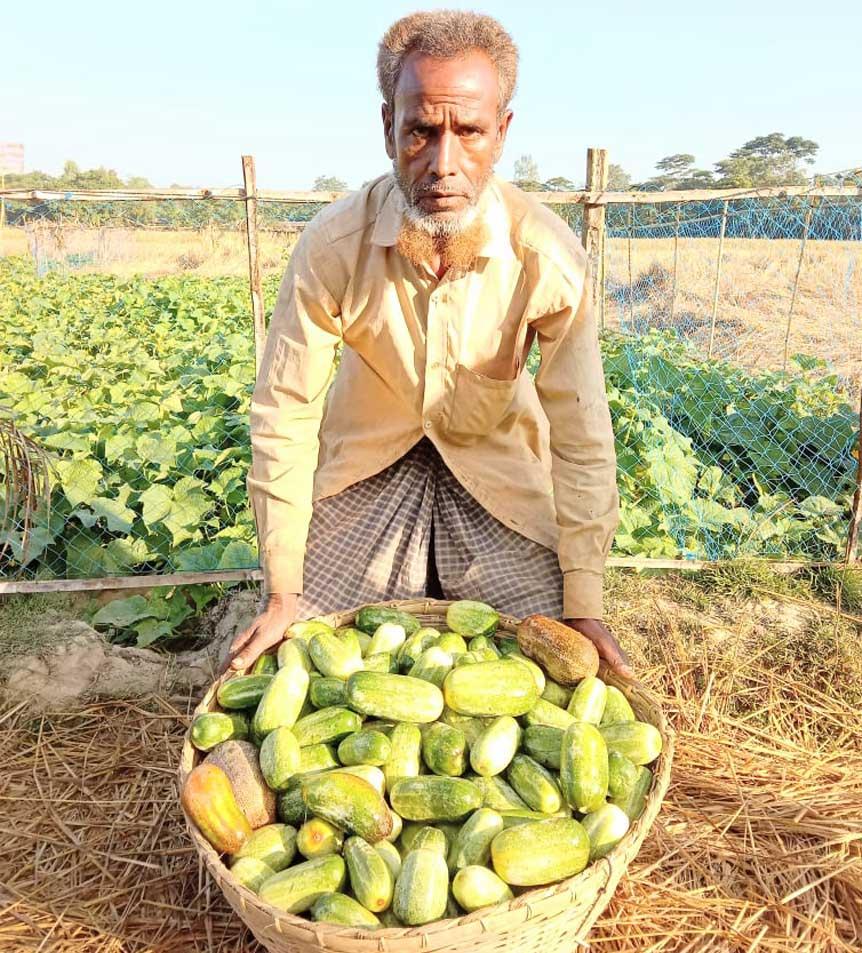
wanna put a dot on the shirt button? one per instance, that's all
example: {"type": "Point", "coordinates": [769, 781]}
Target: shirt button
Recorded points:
{"type": "Point", "coordinates": [428, 425]}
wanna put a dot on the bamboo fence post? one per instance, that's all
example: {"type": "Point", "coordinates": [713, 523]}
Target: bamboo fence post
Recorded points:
{"type": "Point", "coordinates": [808, 216]}
{"type": "Point", "coordinates": [250, 194]}
{"type": "Point", "coordinates": [593, 232]}
{"type": "Point", "coordinates": [856, 508]}
{"type": "Point", "coordinates": [717, 281]}
{"type": "Point", "coordinates": [675, 263]}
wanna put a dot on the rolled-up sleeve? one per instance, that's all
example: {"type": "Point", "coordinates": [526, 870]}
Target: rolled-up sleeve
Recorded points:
{"type": "Point", "coordinates": [571, 387]}
{"type": "Point", "coordinates": [287, 408]}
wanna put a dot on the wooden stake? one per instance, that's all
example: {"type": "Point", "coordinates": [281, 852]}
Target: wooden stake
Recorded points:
{"type": "Point", "coordinates": [593, 232]}
{"type": "Point", "coordinates": [631, 282]}
{"type": "Point", "coordinates": [717, 281]}
{"type": "Point", "coordinates": [808, 215]}
{"type": "Point", "coordinates": [250, 190]}
{"type": "Point", "coordinates": [675, 263]}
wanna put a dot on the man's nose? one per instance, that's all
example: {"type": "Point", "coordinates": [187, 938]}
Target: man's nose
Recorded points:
{"type": "Point", "coordinates": [444, 159]}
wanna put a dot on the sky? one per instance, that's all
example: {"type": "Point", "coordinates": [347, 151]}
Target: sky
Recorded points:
{"type": "Point", "coordinates": [178, 91]}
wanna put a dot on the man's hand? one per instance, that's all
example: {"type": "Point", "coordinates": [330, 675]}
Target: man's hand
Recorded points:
{"type": "Point", "coordinates": [608, 647]}
{"type": "Point", "coordinates": [267, 630]}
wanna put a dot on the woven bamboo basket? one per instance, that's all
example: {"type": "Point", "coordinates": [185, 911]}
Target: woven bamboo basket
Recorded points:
{"type": "Point", "coordinates": [539, 920]}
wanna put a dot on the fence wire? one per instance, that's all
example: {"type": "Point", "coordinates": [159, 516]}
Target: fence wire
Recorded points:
{"type": "Point", "coordinates": [733, 368]}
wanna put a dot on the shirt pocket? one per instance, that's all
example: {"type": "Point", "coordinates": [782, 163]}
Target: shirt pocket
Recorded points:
{"type": "Point", "coordinates": [479, 403]}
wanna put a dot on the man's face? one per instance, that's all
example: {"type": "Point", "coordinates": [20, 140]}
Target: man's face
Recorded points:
{"type": "Point", "coordinates": [444, 136]}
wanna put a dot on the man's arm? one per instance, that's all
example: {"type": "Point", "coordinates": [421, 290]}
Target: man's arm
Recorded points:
{"type": "Point", "coordinates": [571, 388]}
{"type": "Point", "coordinates": [286, 410]}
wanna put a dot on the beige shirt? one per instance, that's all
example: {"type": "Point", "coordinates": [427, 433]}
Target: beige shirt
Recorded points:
{"type": "Point", "coordinates": [442, 358]}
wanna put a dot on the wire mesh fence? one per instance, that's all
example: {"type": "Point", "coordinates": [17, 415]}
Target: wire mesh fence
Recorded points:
{"type": "Point", "coordinates": [731, 334]}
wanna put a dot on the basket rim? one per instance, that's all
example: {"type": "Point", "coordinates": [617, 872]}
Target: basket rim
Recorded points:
{"type": "Point", "coordinates": [315, 931]}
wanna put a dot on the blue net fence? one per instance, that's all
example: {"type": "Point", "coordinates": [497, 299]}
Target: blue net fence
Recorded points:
{"type": "Point", "coordinates": [731, 336]}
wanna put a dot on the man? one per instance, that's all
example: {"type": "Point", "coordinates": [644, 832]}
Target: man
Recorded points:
{"type": "Point", "coordinates": [440, 467]}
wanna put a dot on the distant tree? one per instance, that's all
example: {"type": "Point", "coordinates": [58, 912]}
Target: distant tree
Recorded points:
{"type": "Point", "coordinates": [329, 183]}
{"type": "Point", "coordinates": [678, 172]}
{"type": "Point", "coordinates": [767, 161]}
{"type": "Point", "coordinates": [559, 184]}
{"type": "Point", "coordinates": [527, 174]}
{"type": "Point", "coordinates": [618, 179]}
{"type": "Point", "coordinates": [138, 182]}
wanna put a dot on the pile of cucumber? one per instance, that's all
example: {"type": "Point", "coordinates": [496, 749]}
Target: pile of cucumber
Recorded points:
{"type": "Point", "coordinates": [413, 774]}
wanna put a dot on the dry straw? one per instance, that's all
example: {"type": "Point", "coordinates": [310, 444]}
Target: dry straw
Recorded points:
{"type": "Point", "coordinates": [758, 846]}
{"type": "Point", "coordinates": [545, 919]}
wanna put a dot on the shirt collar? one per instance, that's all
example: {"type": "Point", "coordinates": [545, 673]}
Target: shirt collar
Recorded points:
{"type": "Point", "coordinates": [492, 209]}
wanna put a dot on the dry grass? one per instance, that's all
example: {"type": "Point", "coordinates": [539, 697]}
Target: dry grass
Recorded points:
{"type": "Point", "coordinates": [758, 845]}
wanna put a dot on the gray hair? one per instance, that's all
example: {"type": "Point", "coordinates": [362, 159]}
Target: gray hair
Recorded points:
{"type": "Point", "coordinates": [447, 34]}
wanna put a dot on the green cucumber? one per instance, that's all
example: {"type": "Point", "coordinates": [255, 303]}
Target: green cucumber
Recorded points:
{"type": "Point", "coordinates": [633, 801]}
{"type": "Point", "coordinates": [469, 618]}
{"type": "Point", "coordinates": [327, 692]}
{"type": "Point", "coordinates": [296, 889]}
{"type": "Point", "coordinates": [468, 658]}
{"type": "Point", "coordinates": [452, 643]}
{"type": "Point", "coordinates": [535, 784]}
{"type": "Point", "coordinates": [251, 872]}
{"type": "Point", "coordinates": [445, 750]}
{"type": "Point", "coordinates": [382, 662]}
{"type": "Point", "coordinates": [397, 826]}
{"type": "Point", "coordinates": [318, 837]}
{"type": "Point", "coordinates": [327, 724]}
{"type": "Point", "coordinates": [617, 708]}
{"type": "Point", "coordinates": [476, 887]}
{"type": "Point", "coordinates": [433, 665]}
{"type": "Point", "coordinates": [556, 694]}
{"type": "Point", "coordinates": [242, 691]}
{"type": "Point", "coordinates": [405, 759]}
{"type": "Point", "coordinates": [605, 828]}
{"type": "Point", "coordinates": [394, 697]}
{"type": "Point", "coordinates": [340, 909]}
{"type": "Point", "coordinates": [495, 747]}
{"type": "Point", "coordinates": [279, 758]}
{"type": "Point", "coordinates": [584, 767]}
{"type": "Point", "coordinates": [508, 646]}
{"type": "Point", "coordinates": [430, 838]}
{"type": "Point", "coordinates": [317, 757]}
{"type": "Point", "coordinates": [350, 803]}
{"type": "Point", "coordinates": [291, 808]}
{"type": "Point", "coordinates": [368, 772]}
{"type": "Point", "coordinates": [422, 890]}
{"type": "Point", "coordinates": [513, 818]}
{"type": "Point", "coordinates": [350, 633]}
{"type": "Point", "coordinates": [535, 671]}
{"type": "Point", "coordinates": [389, 852]}
{"type": "Point", "coordinates": [622, 774]}
{"type": "Point", "coordinates": [530, 855]}
{"type": "Point", "coordinates": [365, 747]}
{"type": "Point", "coordinates": [479, 643]}
{"type": "Point", "coordinates": [335, 657]}
{"type": "Point", "coordinates": [266, 664]}
{"type": "Point", "coordinates": [544, 743]}
{"type": "Point", "coordinates": [491, 689]}
{"type": "Point", "coordinates": [388, 637]}
{"type": "Point", "coordinates": [498, 795]}
{"type": "Point", "coordinates": [370, 618]}
{"type": "Point", "coordinates": [588, 700]}
{"type": "Point", "coordinates": [370, 876]}
{"type": "Point", "coordinates": [308, 629]}
{"type": "Point", "coordinates": [294, 652]}
{"type": "Point", "coordinates": [413, 647]}
{"type": "Point", "coordinates": [432, 798]}
{"type": "Point", "coordinates": [469, 726]}
{"type": "Point", "coordinates": [473, 843]}
{"type": "Point", "coordinates": [637, 740]}
{"type": "Point", "coordinates": [281, 702]}
{"type": "Point", "coordinates": [211, 728]}
{"type": "Point", "coordinates": [273, 844]}
{"type": "Point", "coordinates": [544, 713]}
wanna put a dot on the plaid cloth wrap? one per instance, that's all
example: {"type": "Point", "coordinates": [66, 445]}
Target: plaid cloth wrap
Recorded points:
{"type": "Point", "coordinates": [412, 531]}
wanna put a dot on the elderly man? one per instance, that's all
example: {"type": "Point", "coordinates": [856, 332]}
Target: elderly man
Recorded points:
{"type": "Point", "coordinates": [440, 467]}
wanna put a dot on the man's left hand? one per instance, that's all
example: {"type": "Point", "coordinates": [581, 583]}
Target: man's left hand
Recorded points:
{"type": "Point", "coordinates": [608, 647]}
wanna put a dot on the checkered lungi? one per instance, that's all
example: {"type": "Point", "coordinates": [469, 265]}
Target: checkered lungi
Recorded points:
{"type": "Point", "coordinates": [412, 531]}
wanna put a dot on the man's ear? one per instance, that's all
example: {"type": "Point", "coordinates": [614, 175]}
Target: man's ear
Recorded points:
{"type": "Point", "coordinates": [388, 131]}
{"type": "Point", "coordinates": [502, 130]}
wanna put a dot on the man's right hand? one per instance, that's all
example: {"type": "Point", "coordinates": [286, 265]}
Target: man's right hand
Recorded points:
{"type": "Point", "coordinates": [267, 630]}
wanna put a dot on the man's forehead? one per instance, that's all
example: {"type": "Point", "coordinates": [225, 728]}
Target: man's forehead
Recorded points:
{"type": "Point", "coordinates": [428, 83]}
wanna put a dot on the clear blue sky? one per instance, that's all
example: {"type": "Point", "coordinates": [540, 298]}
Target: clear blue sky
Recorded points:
{"type": "Point", "coordinates": [177, 91]}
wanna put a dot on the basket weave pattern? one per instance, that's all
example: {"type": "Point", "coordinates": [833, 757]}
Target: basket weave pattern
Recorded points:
{"type": "Point", "coordinates": [540, 920]}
